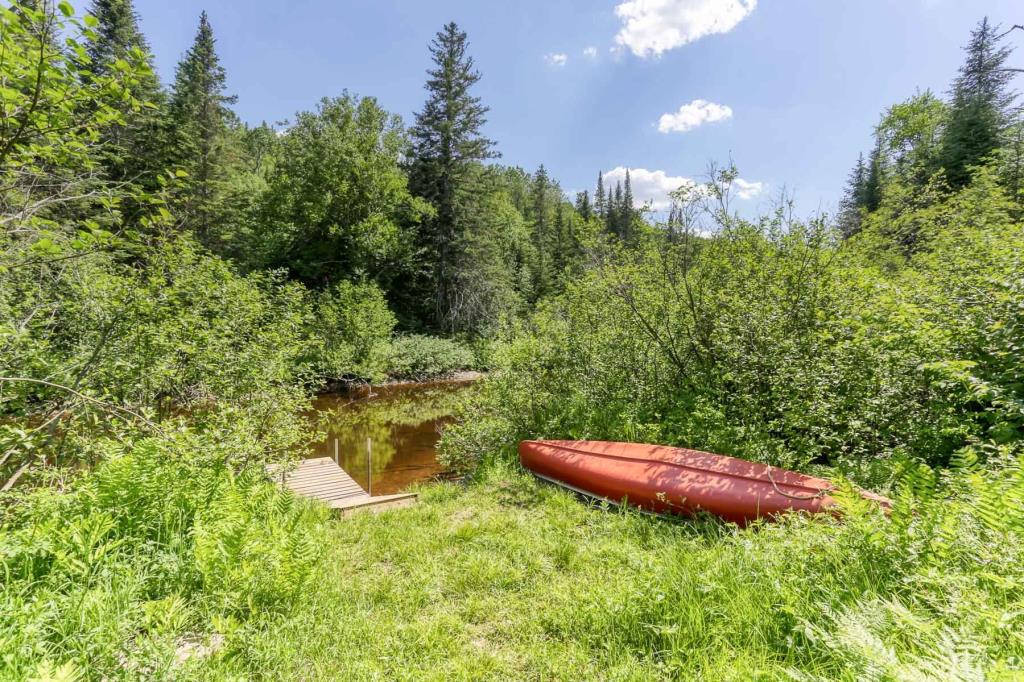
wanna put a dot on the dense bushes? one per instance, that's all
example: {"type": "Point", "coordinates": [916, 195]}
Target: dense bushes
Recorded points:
{"type": "Point", "coordinates": [420, 357]}
{"type": "Point", "coordinates": [773, 341]}
{"type": "Point", "coordinates": [353, 326]}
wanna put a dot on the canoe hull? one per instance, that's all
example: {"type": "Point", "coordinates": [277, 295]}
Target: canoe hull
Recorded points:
{"type": "Point", "coordinates": [668, 480]}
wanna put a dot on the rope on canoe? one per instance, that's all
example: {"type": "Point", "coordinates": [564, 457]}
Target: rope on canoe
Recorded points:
{"type": "Point", "coordinates": [819, 494]}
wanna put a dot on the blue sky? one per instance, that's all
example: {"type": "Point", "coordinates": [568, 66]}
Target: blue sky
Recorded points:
{"type": "Point", "coordinates": [789, 89]}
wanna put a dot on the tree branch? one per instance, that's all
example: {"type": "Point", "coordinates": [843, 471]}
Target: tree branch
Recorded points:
{"type": "Point", "coordinates": [109, 406]}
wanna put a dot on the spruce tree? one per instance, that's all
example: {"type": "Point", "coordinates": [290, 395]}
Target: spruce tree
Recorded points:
{"type": "Point", "coordinates": [542, 238]}
{"type": "Point", "coordinates": [559, 250]}
{"type": "Point", "coordinates": [981, 98]}
{"type": "Point", "coordinates": [583, 205]}
{"type": "Point", "coordinates": [599, 203]}
{"type": "Point", "coordinates": [199, 118]}
{"type": "Point", "coordinates": [871, 198]}
{"type": "Point", "coordinates": [626, 226]}
{"type": "Point", "coordinates": [135, 146]}
{"type": "Point", "coordinates": [447, 144]}
{"type": "Point", "coordinates": [854, 199]}
{"type": "Point", "coordinates": [616, 210]}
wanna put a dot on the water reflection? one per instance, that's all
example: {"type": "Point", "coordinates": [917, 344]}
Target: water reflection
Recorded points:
{"type": "Point", "coordinates": [403, 422]}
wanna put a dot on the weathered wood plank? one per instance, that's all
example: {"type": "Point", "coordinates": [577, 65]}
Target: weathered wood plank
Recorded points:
{"type": "Point", "coordinates": [322, 479]}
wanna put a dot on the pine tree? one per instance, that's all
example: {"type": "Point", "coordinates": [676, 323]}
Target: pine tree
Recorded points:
{"type": "Point", "coordinates": [447, 143]}
{"type": "Point", "coordinates": [136, 145]}
{"type": "Point", "coordinates": [854, 199]}
{"type": "Point", "coordinates": [599, 202]}
{"type": "Point", "coordinates": [981, 99]}
{"type": "Point", "coordinates": [583, 205]}
{"type": "Point", "coordinates": [560, 251]}
{"type": "Point", "coordinates": [200, 117]}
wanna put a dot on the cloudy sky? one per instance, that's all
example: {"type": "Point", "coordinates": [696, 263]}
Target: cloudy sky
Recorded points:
{"type": "Point", "coordinates": [787, 89]}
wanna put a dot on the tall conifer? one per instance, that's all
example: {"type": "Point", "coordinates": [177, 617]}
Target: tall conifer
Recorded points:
{"type": "Point", "coordinates": [447, 144]}
{"type": "Point", "coordinates": [854, 199]}
{"type": "Point", "coordinates": [981, 99]}
{"type": "Point", "coordinates": [199, 117]}
{"type": "Point", "coordinates": [135, 146]}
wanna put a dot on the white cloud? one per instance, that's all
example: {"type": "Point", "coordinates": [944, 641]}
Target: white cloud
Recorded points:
{"type": "Point", "coordinates": [590, 52]}
{"type": "Point", "coordinates": [652, 188]}
{"type": "Point", "coordinates": [649, 187]}
{"type": "Point", "coordinates": [748, 190]}
{"type": "Point", "coordinates": [691, 115]}
{"type": "Point", "coordinates": [651, 27]}
{"type": "Point", "coordinates": [557, 59]}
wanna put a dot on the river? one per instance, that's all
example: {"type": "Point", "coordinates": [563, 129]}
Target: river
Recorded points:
{"type": "Point", "coordinates": [403, 423]}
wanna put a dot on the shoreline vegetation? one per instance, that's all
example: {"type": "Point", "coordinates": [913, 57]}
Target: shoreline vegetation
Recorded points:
{"type": "Point", "coordinates": [175, 284]}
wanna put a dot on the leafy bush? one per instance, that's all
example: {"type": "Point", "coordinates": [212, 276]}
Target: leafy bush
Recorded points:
{"type": "Point", "coordinates": [773, 341]}
{"type": "Point", "coordinates": [428, 357]}
{"type": "Point", "coordinates": [353, 325]}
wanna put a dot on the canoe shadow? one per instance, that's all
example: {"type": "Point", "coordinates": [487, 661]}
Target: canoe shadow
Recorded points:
{"type": "Point", "coordinates": [518, 496]}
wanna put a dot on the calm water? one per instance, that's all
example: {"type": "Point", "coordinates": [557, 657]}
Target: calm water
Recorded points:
{"type": "Point", "coordinates": [403, 422]}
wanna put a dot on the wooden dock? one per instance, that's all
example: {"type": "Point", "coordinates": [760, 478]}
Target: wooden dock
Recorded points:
{"type": "Point", "coordinates": [322, 479]}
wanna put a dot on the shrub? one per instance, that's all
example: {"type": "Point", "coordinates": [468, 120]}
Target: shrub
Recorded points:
{"type": "Point", "coordinates": [775, 342]}
{"type": "Point", "coordinates": [353, 326]}
{"type": "Point", "coordinates": [427, 357]}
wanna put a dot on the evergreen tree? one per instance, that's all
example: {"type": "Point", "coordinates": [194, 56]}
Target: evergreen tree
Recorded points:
{"type": "Point", "coordinates": [135, 147]}
{"type": "Point", "coordinates": [583, 205]}
{"type": "Point", "coordinates": [447, 144]}
{"type": "Point", "coordinates": [560, 252]}
{"type": "Point", "coordinates": [871, 197]}
{"type": "Point", "coordinates": [200, 120]}
{"type": "Point", "coordinates": [599, 201]}
{"type": "Point", "coordinates": [854, 199]}
{"type": "Point", "coordinates": [981, 98]}
{"type": "Point", "coordinates": [616, 210]}
{"type": "Point", "coordinates": [542, 238]}
{"type": "Point", "coordinates": [626, 226]}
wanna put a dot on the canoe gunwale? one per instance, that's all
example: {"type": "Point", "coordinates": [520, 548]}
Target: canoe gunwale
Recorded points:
{"type": "Point", "coordinates": [818, 493]}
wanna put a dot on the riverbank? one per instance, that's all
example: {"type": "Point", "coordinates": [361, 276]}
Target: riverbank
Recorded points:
{"type": "Point", "coordinates": [508, 579]}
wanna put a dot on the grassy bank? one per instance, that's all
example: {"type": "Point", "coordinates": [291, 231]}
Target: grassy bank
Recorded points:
{"type": "Point", "coordinates": [508, 579]}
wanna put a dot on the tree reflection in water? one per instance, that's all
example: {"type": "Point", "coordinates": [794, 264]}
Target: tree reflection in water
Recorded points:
{"type": "Point", "coordinates": [404, 423]}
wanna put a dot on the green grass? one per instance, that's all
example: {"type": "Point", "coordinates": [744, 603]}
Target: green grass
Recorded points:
{"type": "Point", "coordinates": [507, 579]}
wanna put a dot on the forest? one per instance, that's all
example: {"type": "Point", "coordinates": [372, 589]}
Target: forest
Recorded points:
{"type": "Point", "coordinates": [177, 285]}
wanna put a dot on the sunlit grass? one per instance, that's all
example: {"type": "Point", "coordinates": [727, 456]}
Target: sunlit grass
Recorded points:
{"type": "Point", "coordinates": [508, 579]}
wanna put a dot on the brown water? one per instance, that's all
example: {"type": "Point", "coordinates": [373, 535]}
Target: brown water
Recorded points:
{"type": "Point", "coordinates": [403, 423]}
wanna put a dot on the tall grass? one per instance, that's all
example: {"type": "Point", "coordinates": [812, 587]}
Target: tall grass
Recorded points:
{"type": "Point", "coordinates": [513, 580]}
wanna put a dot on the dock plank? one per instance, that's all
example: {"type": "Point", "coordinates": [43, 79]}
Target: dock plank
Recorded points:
{"type": "Point", "coordinates": [322, 479]}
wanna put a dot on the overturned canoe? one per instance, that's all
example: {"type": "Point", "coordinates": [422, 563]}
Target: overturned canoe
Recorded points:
{"type": "Point", "coordinates": [668, 480]}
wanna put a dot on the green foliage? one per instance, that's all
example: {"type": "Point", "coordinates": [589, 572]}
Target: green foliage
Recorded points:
{"type": "Point", "coordinates": [133, 148]}
{"type": "Point", "coordinates": [772, 341]}
{"type": "Point", "coordinates": [353, 325]}
{"type": "Point", "coordinates": [154, 546]}
{"type": "Point", "coordinates": [426, 357]}
{"type": "Point", "coordinates": [337, 205]}
{"type": "Point", "coordinates": [145, 382]}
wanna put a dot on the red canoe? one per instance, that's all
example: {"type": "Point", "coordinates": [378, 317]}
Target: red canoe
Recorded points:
{"type": "Point", "coordinates": [667, 480]}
